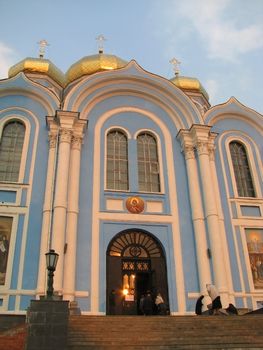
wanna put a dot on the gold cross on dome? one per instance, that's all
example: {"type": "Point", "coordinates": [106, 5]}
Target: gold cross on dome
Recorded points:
{"type": "Point", "coordinates": [175, 63]}
{"type": "Point", "coordinates": [100, 40]}
{"type": "Point", "coordinates": [42, 47]}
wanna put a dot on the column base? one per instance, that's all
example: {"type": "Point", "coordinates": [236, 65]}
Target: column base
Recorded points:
{"type": "Point", "coordinates": [74, 308]}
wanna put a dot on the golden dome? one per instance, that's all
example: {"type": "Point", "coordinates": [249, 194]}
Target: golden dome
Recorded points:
{"type": "Point", "coordinates": [92, 64]}
{"type": "Point", "coordinates": [190, 84]}
{"type": "Point", "coordinates": [38, 65]}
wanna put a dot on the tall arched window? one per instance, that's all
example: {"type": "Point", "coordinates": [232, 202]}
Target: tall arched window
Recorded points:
{"type": "Point", "coordinates": [117, 161]}
{"type": "Point", "coordinates": [242, 172]}
{"type": "Point", "coordinates": [11, 146]}
{"type": "Point", "coordinates": [148, 165]}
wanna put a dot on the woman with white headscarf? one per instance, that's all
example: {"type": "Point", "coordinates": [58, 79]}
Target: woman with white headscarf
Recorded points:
{"type": "Point", "coordinates": [214, 295]}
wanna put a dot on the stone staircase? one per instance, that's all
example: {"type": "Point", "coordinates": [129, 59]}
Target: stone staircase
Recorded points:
{"type": "Point", "coordinates": [165, 332]}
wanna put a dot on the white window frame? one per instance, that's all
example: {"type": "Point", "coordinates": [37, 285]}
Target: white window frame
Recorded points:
{"type": "Point", "coordinates": [3, 123]}
{"type": "Point", "coordinates": [251, 163]}
{"type": "Point", "coordinates": [159, 155]}
{"type": "Point", "coordinates": [128, 136]}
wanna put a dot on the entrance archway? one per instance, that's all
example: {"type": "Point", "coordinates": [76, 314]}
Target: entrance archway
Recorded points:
{"type": "Point", "coordinates": [135, 264]}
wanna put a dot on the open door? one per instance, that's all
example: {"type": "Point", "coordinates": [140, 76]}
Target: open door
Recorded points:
{"type": "Point", "coordinates": [135, 265]}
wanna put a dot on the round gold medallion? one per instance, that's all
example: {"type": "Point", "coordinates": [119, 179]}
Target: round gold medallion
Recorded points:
{"type": "Point", "coordinates": [135, 205]}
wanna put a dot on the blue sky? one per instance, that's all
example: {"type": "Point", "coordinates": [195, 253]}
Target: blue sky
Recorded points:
{"type": "Point", "coordinates": [220, 42]}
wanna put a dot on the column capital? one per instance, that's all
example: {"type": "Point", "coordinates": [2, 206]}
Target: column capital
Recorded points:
{"type": "Point", "coordinates": [211, 145]}
{"type": "Point", "coordinates": [52, 138]}
{"type": "Point", "coordinates": [65, 135]}
{"type": "Point", "coordinates": [76, 142]}
{"type": "Point", "coordinates": [211, 150]}
{"type": "Point", "coordinates": [189, 152]}
{"type": "Point", "coordinates": [202, 147]}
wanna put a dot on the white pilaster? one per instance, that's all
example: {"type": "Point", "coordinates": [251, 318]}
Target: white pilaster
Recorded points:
{"type": "Point", "coordinates": [197, 211]}
{"type": "Point", "coordinates": [47, 209]}
{"type": "Point", "coordinates": [226, 259]}
{"type": "Point", "coordinates": [66, 121]}
{"type": "Point", "coordinates": [201, 135]}
{"type": "Point", "coordinates": [72, 215]}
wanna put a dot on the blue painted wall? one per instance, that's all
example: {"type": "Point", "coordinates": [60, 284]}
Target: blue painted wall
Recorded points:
{"type": "Point", "coordinates": [7, 196]}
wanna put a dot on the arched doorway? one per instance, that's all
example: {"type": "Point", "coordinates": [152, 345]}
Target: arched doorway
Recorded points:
{"type": "Point", "coordinates": [135, 264]}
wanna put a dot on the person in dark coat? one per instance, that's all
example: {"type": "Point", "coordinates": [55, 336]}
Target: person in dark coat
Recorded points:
{"type": "Point", "coordinates": [148, 304]}
{"type": "Point", "coordinates": [232, 310]}
{"type": "Point", "coordinates": [141, 311]}
{"type": "Point", "coordinates": [199, 305]}
{"type": "Point", "coordinates": [112, 302]}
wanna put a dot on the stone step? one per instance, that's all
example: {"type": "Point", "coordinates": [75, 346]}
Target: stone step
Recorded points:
{"type": "Point", "coordinates": [167, 332]}
{"type": "Point", "coordinates": [166, 347]}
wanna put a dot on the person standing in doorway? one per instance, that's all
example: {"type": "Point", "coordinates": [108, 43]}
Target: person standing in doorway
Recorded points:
{"type": "Point", "coordinates": [160, 304]}
{"type": "Point", "coordinates": [112, 302]}
{"type": "Point", "coordinates": [148, 304]}
{"type": "Point", "coordinates": [141, 302]}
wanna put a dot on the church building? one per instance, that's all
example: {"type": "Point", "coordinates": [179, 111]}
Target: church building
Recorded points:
{"type": "Point", "coordinates": [135, 180]}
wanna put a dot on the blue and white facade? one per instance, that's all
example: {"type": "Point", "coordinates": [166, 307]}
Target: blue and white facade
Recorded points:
{"type": "Point", "coordinates": [207, 231]}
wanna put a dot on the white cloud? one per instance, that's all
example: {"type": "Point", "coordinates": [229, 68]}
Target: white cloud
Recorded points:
{"type": "Point", "coordinates": [223, 37]}
{"type": "Point", "coordinates": [212, 88]}
{"type": "Point", "coordinates": [6, 60]}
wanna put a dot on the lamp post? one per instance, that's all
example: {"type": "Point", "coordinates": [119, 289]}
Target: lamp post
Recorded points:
{"type": "Point", "coordinates": [51, 262]}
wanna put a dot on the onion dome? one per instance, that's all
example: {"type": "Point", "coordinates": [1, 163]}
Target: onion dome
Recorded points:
{"type": "Point", "coordinates": [38, 65]}
{"type": "Point", "coordinates": [189, 84]}
{"type": "Point", "coordinates": [92, 64]}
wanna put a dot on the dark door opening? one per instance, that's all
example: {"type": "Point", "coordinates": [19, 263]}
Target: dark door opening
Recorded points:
{"type": "Point", "coordinates": [143, 284]}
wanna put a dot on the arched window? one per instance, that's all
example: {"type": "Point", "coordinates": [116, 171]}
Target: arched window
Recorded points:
{"type": "Point", "coordinates": [148, 165]}
{"type": "Point", "coordinates": [117, 161]}
{"type": "Point", "coordinates": [11, 146]}
{"type": "Point", "coordinates": [242, 172]}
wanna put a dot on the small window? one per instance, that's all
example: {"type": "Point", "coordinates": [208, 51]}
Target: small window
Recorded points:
{"type": "Point", "coordinates": [241, 168]}
{"type": "Point", "coordinates": [148, 164]}
{"type": "Point", "coordinates": [117, 161]}
{"type": "Point", "coordinates": [11, 147]}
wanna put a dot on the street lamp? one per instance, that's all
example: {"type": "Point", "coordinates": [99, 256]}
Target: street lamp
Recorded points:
{"type": "Point", "coordinates": [51, 262]}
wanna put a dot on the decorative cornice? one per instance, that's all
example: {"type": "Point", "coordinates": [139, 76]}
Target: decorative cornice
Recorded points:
{"type": "Point", "coordinates": [66, 119]}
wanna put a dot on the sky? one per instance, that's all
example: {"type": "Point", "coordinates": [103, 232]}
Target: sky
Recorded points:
{"type": "Point", "coordinates": [219, 42]}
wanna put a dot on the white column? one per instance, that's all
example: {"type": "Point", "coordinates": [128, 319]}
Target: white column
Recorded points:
{"type": "Point", "coordinates": [226, 259]}
{"type": "Point", "coordinates": [72, 220]}
{"type": "Point", "coordinates": [47, 212]}
{"type": "Point", "coordinates": [198, 219]}
{"type": "Point", "coordinates": [60, 204]}
{"type": "Point", "coordinates": [212, 219]}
